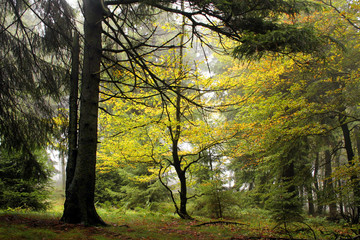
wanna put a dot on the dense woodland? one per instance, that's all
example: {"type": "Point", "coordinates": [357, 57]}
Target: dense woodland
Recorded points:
{"type": "Point", "coordinates": [195, 107]}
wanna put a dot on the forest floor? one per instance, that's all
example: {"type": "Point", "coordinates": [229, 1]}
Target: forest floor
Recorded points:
{"type": "Point", "coordinates": [15, 224]}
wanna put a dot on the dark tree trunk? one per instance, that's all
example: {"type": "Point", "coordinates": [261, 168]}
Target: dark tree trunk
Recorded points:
{"type": "Point", "coordinates": [79, 204]}
{"type": "Point", "coordinates": [347, 139]}
{"type": "Point", "coordinates": [328, 186]}
{"type": "Point", "coordinates": [73, 112]}
{"type": "Point", "coordinates": [182, 211]}
{"type": "Point", "coordinates": [310, 199]}
{"type": "Point", "coordinates": [73, 119]}
{"type": "Point", "coordinates": [354, 178]}
{"type": "Point", "coordinates": [176, 132]}
{"type": "Point", "coordinates": [219, 211]}
{"type": "Point", "coordinates": [288, 175]}
{"type": "Point", "coordinates": [357, 138]}
{"type": "Point", "coordinates": [307, 188]}
{"type": "Point", "coordinates": [301, 195]}
{"type": "Point", "coordinates": [183, 197]}
{"type": "Point", "coordinates": [338, 185]}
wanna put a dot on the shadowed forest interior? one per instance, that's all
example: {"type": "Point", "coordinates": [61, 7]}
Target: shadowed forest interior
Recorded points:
{"type": "Point", "coordinates": [239, 116]}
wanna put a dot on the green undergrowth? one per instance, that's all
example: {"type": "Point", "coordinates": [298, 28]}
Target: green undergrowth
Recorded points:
{"type": "Point", "coordinates": [145, 224]}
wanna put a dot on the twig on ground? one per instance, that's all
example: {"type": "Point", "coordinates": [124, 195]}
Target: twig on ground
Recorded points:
{"type": "Point", "coordinates": [219, 222]}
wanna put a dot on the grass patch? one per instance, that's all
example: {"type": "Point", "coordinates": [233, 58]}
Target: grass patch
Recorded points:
{"type": "Point", "coordinates": [144, 224]}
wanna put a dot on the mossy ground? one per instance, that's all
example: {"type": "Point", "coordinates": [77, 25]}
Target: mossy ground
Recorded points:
{"type": "Point", "coordinates": [144, 224]}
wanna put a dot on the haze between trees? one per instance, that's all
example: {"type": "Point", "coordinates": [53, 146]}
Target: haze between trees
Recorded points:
{"type": "Point", "coordinates": [274, 120]}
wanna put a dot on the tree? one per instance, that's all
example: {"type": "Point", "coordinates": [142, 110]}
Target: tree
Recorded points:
{"type": "Point", "coordinates": [22, 185]}
{"type": "Point", "coordinates": [129, 187]}
{"type": "Point", "coordinates": [33, 79]}
{"type": "Point", "coordinates": [30, 78]}
{"type": "Point", "coordinates": [303, 97]}
{"type": "Point", "coordinates": [158, 130]}
{"type": "Point", "coordinates": [79, 205]}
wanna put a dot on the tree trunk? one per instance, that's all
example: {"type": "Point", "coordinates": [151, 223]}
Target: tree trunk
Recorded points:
{"type": "Point", "coordinates": [183, 197]}
{"type": "Point", "coordinates": [357, 139]}
{"type": "Point", "coordinates": [307, 188]}
{"type": "Point", "coordinates": [73, 119]}
{"type": "Point", "coordinates": [310, 199]}
{"type": "Point", "coordinates": [340, 197]}
{"type": "Point", "coordinates": [219, 211]}
{"type": "Point", "coordinates": [328, 186]}
{"type": "Point", "coordinates": [73, 112]}
{"type": "Point", "coordinates": [319, 196]}
{"type": "Point", "coordinates": [79, 204]}
{"type": "Point", "coordinates": [354, 179]}
{"type": "Point", "coordinates": [182, 211]}
{"type": "Point", "coordinates": [63, 174]}
{"type": "Point", "coordinates": [288, 175]}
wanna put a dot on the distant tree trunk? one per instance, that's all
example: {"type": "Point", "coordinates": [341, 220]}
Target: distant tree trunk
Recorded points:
{"type": "Point", "coordinates": [354, 179]}
{"type": "Point", "coordinates": [219, 210]}
{"type": "Point", "coordinates": [288, 175]}
{"type": "Point", "coordinates": [317, 188]}
{"type": "Point", "coordinates": [63, 174]}
{"type": "Point", "coordinates": [357, 138]}
{"type": "Point", "coordinates": [79, 205]}
{"type": "Point", "coordinates": [357, 183]}
{"type": "Point", "coordinates": [301, 194]}
{"type": "Point", "coordinates": [328, 186]}
{"type": "Point", "coordinates": [307, 188]}
{"type": "Point", "coordinates": [340, 196]}
{"type": "Point", "coordinates": [310, 199]}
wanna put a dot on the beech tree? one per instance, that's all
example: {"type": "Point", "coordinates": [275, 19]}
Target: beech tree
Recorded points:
{"type": "Point", "coordinates": [168, 132]}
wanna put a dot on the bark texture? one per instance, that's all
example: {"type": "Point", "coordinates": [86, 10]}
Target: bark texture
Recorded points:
{"type": "Point", "coordinates": [73, 111]}
{"type": "Point", "coordinates": [79, 204]}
